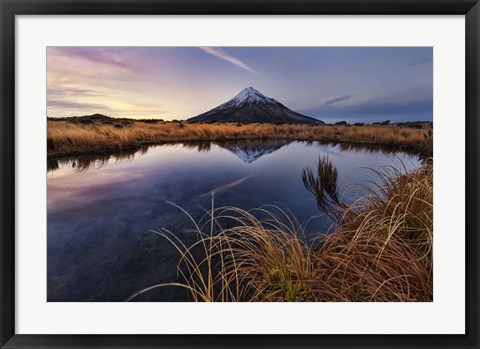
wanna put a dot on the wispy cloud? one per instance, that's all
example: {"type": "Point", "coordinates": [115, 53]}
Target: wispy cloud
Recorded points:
{"type": "Point", "coordinates": [66, 108]}
{"type": "Point", "coordinates": [113, 57]}
{"type": "Point", "coordinates": [219, 53]}
{"type": "Point", "coordinates": [66, 91]}
{"type": "Point", "coordinates": [383, 107]}
{"type": "Point", "coordinates": [337, 100]}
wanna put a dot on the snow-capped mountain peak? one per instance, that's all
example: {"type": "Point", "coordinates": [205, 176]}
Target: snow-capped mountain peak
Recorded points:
{"type": "Point", "coordinates": [250, 106]}
{"type": "Point", "coordinates": [249, 94]}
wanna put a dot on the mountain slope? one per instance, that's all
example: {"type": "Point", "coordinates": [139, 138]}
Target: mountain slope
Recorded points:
{"type": "Point", "coordinates": [252, 106]}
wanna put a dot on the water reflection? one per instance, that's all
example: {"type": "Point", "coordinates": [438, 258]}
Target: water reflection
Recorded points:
{"type": "Point", "coordinates": [101, 208]}
{"type": "Point", "coordinates": [246, 150]}
{"type": "Point", "coordinates": [85, 162]}
{"type": "Point", "coordinates": [250, 151]}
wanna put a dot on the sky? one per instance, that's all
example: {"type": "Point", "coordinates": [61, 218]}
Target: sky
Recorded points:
{"type": "Point", "coordinates": [356, 84]}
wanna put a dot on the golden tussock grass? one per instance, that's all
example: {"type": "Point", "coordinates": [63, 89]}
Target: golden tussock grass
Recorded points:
{"type": "Point", "coordinates": [72, 138]}
{"type": "Point", "coordinates": [380, 251]}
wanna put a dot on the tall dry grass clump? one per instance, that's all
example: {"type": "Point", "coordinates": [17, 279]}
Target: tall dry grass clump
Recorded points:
{"type": "Point", "coordinates": [255, 259]}
{"type": "Point", "coordinates": [381, 250]}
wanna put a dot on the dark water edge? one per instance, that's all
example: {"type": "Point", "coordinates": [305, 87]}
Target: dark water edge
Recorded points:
{"type": "Point", "coordinates": [101, 208]}
{"type": "Point", "coordinates": [84, 161]}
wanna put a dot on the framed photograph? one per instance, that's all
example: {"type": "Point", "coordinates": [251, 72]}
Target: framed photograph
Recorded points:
{"type": "Point", "coordinates": [254, 174]}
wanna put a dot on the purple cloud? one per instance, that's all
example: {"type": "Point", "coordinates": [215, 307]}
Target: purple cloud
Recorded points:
{"type": "Point", "coordinates": [113, 56]}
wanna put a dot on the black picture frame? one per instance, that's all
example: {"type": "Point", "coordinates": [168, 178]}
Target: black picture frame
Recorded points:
{"type": "Point", "coordinates": [10, 8]}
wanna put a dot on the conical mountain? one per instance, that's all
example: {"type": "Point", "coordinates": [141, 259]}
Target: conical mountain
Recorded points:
{"type": "Point", "coordinates": [250, 106]}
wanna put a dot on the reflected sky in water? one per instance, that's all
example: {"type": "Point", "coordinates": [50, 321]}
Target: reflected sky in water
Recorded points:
{"type": "Point", "coordinates": [100, 209]}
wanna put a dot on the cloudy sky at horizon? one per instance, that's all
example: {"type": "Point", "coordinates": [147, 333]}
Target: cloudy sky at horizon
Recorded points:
{"type": "Point", "coordinates": [330, 83]}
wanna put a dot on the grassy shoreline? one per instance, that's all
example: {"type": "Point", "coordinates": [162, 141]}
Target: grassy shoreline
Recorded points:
{"type": "Point", "coordinates": [381, 250]}
{"type": "Point", "coordinates": [66, 138]}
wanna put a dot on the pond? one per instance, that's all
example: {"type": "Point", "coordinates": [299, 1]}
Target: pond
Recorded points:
{"type": "Point", "coordinates": [101, 210]}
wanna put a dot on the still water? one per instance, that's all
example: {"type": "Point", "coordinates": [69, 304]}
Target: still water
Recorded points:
{"type": "Point", "coordinates": [100, 209]}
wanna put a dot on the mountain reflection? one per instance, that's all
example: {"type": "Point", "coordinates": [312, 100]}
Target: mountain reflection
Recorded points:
{"type": "Point", "coordinates": [246, 150]}
{"type": "Point", "coordinates": [251, 150]}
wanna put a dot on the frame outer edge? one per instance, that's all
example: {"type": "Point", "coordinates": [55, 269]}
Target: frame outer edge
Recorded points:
{"type": "Point", "coordinates": [7, 172]}
{"type": "Point", "coordinates": [472, 132]}
{"type": "Point", "coordinates": [7, 175]}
